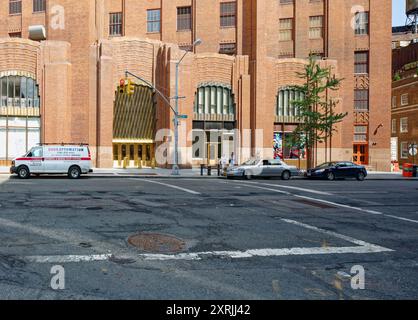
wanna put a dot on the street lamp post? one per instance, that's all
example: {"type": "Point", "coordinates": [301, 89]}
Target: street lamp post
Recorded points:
{"type": "Point", "coordinates": [176, 169]}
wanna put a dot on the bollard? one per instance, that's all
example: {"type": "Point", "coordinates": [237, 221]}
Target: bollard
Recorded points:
{"type": "Point", "coordinates": [202, 167]}
{"type": "Point", "coordinates": [219, 170]}
{"type": "Point", "coordinates": [209, 170]}
{"type": "Point", "coordinates": [125, 162]}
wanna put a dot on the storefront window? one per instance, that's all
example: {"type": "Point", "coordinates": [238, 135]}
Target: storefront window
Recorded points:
{"type": "Point", "coordinates": [19, 129]}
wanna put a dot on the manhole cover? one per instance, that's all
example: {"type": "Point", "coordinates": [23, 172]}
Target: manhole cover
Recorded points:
{"type": "Point", "coordinates": [157, 243]}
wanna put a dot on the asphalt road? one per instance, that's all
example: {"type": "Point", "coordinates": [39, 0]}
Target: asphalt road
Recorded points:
{"type": "Point", "coordinates": [263, 239]}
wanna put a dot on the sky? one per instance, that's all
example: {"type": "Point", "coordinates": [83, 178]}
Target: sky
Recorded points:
{"type": "Point", "coordinates": [398, 12]}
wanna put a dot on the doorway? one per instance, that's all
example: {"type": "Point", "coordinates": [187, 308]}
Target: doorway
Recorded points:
{"type": "Point", "coordinates": [361, 154]}
{"type": "Point", "coordinates": [133, 155]}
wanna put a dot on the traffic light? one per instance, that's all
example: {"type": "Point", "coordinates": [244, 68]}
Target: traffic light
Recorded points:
{"type": "Point", "coordinates": [130, 87]}
{"type": "Point", "coordinates": [122, 86]}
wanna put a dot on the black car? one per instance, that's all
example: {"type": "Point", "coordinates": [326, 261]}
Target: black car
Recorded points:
{"type": "Point", "coordinates": [337, 170]}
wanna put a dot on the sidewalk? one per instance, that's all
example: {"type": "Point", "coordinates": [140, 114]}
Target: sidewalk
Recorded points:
{"type": "Point", "coordinates": [145, 173]}
{"type": "Point", "coordinates": [195, 174]}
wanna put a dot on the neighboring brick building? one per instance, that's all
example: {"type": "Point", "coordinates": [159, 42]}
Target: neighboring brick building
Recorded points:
{"type": "Point", "coordinates": [239, 78]}
{"type": "Point", "coordinates": [404, 104]}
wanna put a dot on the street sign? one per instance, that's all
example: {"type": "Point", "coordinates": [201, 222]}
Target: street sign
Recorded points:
{"type": "Point", "coordinates": [182, 116]}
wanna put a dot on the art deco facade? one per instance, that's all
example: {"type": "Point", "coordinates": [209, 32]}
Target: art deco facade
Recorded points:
{"type": "Point", "coordinates": [65, 87]}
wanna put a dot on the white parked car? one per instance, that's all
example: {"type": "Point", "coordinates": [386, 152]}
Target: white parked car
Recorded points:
{"type": "Point", "coordinates": [73, 160]}
{"type": "Point", "coordinates": [265, 168]}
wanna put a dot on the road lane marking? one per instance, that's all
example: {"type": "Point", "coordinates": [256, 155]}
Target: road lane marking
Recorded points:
{"type": "Point", "coordinates": [264, 188]}
{"type": "Point", "coordinates": [69, 258]}
{"type": "Point", "coordinates": [334, 234]}
{"type": "Point", "coordinates": [170, 186]}
{"type": "Point", "coordinates": [361, 247]}
{"type": "Point", "coordinates": [292, 188]}
{"type": "Point", "coordinates": [345, 206]}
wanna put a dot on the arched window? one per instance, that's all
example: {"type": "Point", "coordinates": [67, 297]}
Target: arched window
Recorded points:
{"type": "Point", "coordinates": [18, 91]}
{"type": "Point", "coordinates": [20, 123]}
{"type": "Point", "coordinates": [285, 99]}
{"type": "Point", "coordinates": [214, 99]}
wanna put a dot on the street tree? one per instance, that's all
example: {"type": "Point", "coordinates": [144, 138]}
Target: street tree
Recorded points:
{"type": "Point", "coordinates": [315, 110]}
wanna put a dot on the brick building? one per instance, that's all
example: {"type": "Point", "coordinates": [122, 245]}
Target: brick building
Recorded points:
{"type": "Point", "coordinates": [61, 62]}
{"type": "Point", "coordinates": [404, 103]}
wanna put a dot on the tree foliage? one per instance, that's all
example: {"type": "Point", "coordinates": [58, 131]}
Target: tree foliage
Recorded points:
{"type": "Point", "coordinates": [316, 111]}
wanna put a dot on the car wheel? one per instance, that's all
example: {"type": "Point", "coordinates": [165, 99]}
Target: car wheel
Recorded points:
{"type": "Point", "coordinates": [74, 173]}
{"type": "Point", "coordinates": [23, 172]}
{"type": "Point", "coordinates": [331, 176]}
{"type": "Point", "coordinates": [361, 176]}
{"type": "Point", "coordinates": [286, 175]}
{"type": "Point", "coordinates": [248, 175]}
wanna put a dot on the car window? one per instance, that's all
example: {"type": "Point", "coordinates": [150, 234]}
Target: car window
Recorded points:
{"type": "Point", "coordinates": [266, 163]}
{"type": "Point", "coordinates": [276, 163]}
{"type": "Point", "coordinates": [250, 162]}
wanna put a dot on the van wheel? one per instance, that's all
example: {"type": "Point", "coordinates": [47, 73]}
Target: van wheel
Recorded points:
{"type": "Point", "coordinates": [23, 172]}
{"type": "Point", "coordinates": [74, 173]}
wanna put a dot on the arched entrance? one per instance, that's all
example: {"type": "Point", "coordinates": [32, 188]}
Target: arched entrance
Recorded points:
{"type": "Point", "coordinates": [20, 122]}
{"type": "Point", "coordinates": [134, 127]}
{"type": "Point", "coordinates": [214, 123]}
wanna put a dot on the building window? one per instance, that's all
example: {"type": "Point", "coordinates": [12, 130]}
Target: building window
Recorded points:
{"type": "Point", "coordinates": [214, 100]}
{"type": "Point", "coordinates": [19, 92]}
{"type": "Point", "coordinates": [404, 99]}
{"type": "Point", "coordinates": [184, 18]}
{"type": "Point", "coordinates": [316, 24]}
{"type": "Point", "coordinates": [404, 125]}
{"type": "Point", "coordinates": [394, 102]}
{"type": "Point", "coordinates": [361, 100]}
{"type": "Point", "coordinates": [286, 29]}
{"type": "Point", "coordinates": [228, 14]}
{"type": "Point", "coordinates": [394, 126]}
{"type": "Point", "coordinates": [38, 5]}
{"type": "Point", "coordinates": [285, 106]}
{"type": "Point", "coordinates": [15, 6]}
{"type": "Point", "coordinates": [360, 133]}
{"type": "Point", "coordinates": [15, 35]}
{"type": "Point", "coordinates": [228, 48]}
{"type": "Point", "coordinates": [361, 26]}
{"type": "Point", "coordinates": [154, 20]}
{"type": "Point", "coordinates": [115, 25]}
{"type": "Point", "coordinates": [361, 62]}
{"type": "Point", "coordinates": [404, 150]}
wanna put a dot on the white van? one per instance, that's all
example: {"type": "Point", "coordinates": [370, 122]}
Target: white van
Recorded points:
{"type": "Point", "coordinates": [73, 160]}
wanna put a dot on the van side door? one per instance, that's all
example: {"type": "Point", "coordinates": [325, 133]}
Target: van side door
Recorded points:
{"type": "Point", "coordinates": [35, 160]}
